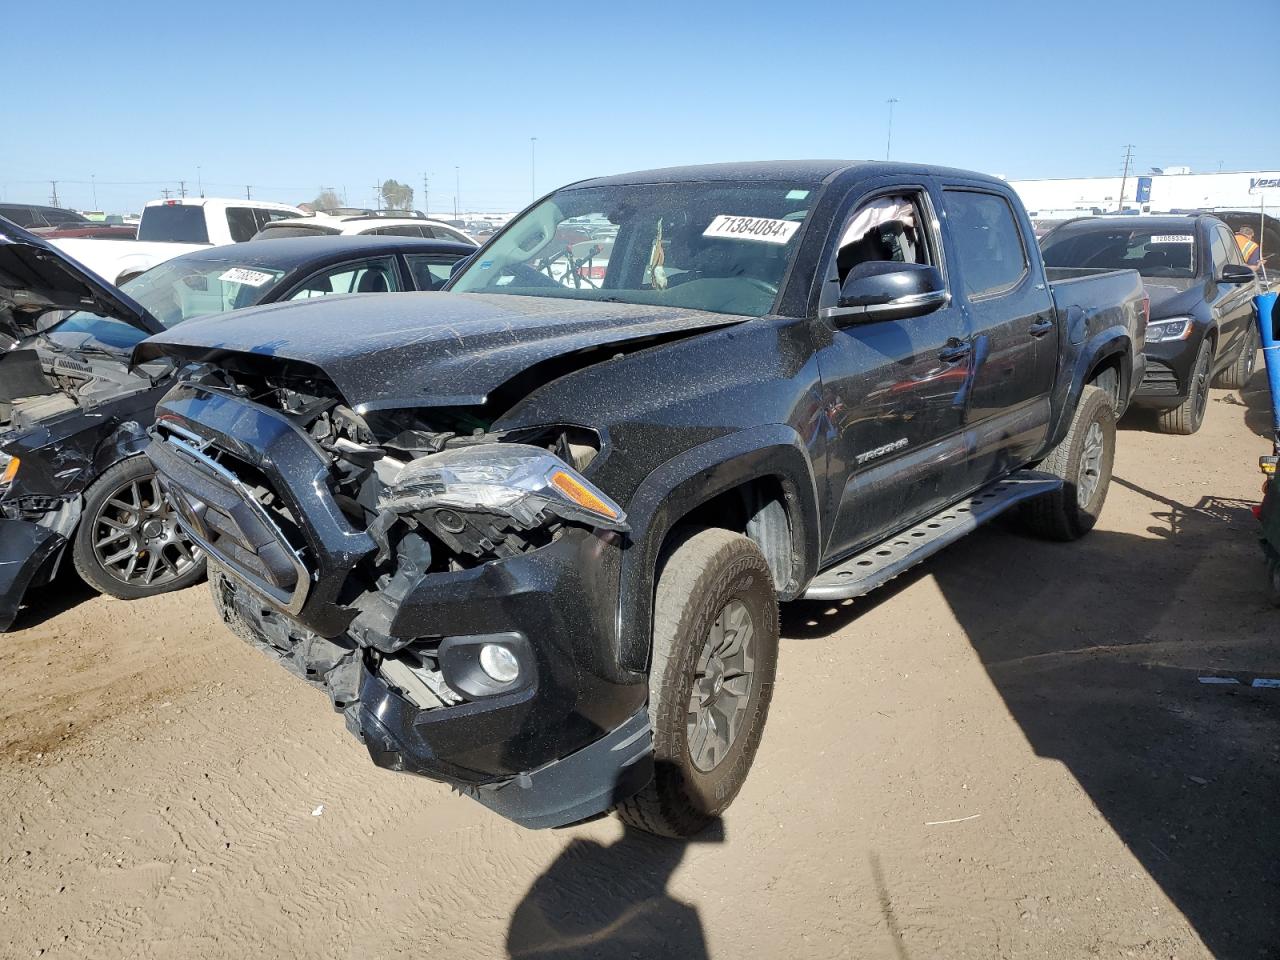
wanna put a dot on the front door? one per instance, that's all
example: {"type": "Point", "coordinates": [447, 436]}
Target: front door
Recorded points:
{"type": "Point", "coordinates": [893, 390]}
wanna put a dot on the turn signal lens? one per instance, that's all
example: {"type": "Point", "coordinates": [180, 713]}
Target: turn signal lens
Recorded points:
{"type": "Point", "coordinates": [10, 471]}
{"type": "Point", "coordinates": [574, 489]}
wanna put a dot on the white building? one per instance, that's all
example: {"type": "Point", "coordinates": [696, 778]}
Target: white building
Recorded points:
{"type": "Point", "coordinates": [1151, 193]}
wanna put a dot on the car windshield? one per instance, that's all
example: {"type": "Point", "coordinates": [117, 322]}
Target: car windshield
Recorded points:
{"type": "Point", "coordinates": [176, 223]}
{"type": "Point", "coordinates": [1159, 252]}
{"type": "Point", "coordinates": [717, 246]}
{"type": "Point", "coordinates": [172, 292]}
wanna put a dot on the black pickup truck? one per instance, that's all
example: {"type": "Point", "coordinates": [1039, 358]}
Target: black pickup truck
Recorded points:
{"type": "Point", "coordinates": [531, 534]}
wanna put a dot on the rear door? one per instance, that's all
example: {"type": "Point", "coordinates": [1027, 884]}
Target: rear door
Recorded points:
{"type": "Point", "coordinates": [892, 390]}
{"type": "Point", "coordinates": [1002, 291]}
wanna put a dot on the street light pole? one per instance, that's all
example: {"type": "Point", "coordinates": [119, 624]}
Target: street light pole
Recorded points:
{"type": "Point", "coordinates": [457, 190]}
{"type": "Point", "coordinates": [533, 168]}
{"type": "Point", "coordinates": [888, 143]}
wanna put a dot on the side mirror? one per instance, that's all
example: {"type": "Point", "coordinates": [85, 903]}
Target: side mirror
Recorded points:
{"type": "Point", "coordinates": [888, 290]}
{"type": "Point", "coordinates": [460, 265]}
{"type": "Point", "coordinates": [1236, 273]}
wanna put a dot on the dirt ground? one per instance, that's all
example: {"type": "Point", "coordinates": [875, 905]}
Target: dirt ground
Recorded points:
{"type": "Point", "coordinates": [1008, 753]}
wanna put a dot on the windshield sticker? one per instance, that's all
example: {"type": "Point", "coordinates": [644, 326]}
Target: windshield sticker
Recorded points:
{"type": "Point", "coordinates": [252, 278]}
{"type": "Point", "coordinates": [1172, 238]}
{"type": "Point", "coordinates": [797, 194]}
{"type": "Point", "coordinates": [761, 229]}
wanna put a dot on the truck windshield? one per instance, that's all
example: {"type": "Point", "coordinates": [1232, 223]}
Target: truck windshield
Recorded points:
{"type": "Point", "coordinates": [723, 247]}
{"type": "Point", "coordinates": [1159, 252]}
{"type": "Point", "coordinates": [173, 292]}
{"type": "Point", "coordinates": [179, 223]}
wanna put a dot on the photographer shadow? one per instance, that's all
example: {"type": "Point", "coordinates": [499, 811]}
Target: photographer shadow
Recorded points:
{"type": "Point", "coordinates": [609, 901]}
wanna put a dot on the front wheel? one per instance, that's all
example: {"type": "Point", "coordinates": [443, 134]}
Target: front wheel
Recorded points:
{"type": "Point", "coordinates": [128, 544]}
{"type": "Point", "coordinates": [1083, 460]}
{"type": "Point", "coordinates": [1186, 418]}
{"type": "Point", "coordinates": [715, 650]}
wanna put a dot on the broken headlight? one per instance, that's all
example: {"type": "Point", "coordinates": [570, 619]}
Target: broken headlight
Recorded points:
{"type": "Point", "coordinates": [498, 499]}
{"type": "Point", "coordinates": [8, 470]}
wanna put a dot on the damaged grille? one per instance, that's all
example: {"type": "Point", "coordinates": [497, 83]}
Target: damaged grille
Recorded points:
{"type": "Point", "coordinates": [229, 516]}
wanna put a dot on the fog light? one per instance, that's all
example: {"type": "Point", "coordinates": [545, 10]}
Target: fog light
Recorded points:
{"type": "Point", "coordinates": [499, 663]}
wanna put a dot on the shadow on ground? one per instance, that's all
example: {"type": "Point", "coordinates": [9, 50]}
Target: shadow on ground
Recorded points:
{"type": "Point", "coordinates": [53, 599]}
{"type": "Point", "coordinates": [598, 901]}
{"type": "Point", "coordinates": [1096, 648]}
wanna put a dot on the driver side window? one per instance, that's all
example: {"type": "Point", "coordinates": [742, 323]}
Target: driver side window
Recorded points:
{"type": "Point", "coordinates": [890, 228]}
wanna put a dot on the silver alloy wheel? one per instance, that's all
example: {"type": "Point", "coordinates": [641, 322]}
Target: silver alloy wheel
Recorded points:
{"type": "Point", "coordinates": [136, 537]}
{"type": "Point", "coordinates": [721, 686]}
{"type": "Point", "coordinates": [1090, 465]}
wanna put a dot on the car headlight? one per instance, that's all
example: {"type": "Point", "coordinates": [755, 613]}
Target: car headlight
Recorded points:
{"type": "Point", "coordinates": [526, 483]}
{"type": "Point", "coordinates": [8, 470]}
{"type": "Point", "coordinates": [1175, 328]}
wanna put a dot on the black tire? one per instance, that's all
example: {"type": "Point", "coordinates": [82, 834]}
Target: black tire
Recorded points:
{"type": "Point", "coordinates": [101, 519]}
{"type": "Point", "coordinates": [1071, 511]}
{"type": "Point", "coordinates": [329, 666]}
{"type": "Point", "coordinates": [1186, 418]}
{"type": "Point", "coordinates": [1237, 375]}
{"type": "Point", "coordinates": [709, 577]}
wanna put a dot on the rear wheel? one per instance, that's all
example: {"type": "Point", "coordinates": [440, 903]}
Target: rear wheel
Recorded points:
{"type": "Point", "coordinates": [1083, 460]}
{"type": "Point", "coordinates": [128, 544]}
{"type": "Point", "coordinates": [715, 650]}
{"type": "Point", "coordinates": [1186, 418]}
{"type": "Point", "coordinates": [1237, 375]}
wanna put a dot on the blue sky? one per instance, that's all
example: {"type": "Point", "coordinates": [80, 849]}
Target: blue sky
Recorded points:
{"type": "Point", "coordinates": [289, 98]}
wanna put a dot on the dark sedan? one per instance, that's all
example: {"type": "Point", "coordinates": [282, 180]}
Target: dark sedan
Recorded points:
{"type": "Point", "coordinates": [74, 411]}
{"type": "Point", "coordinates": [1201, 328]}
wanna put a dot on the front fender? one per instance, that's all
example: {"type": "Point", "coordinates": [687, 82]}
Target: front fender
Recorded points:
{"type": "Point", "coordinates": [694, 477]}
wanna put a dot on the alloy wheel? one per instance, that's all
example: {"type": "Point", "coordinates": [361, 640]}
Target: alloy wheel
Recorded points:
{"type": "Point", "coordinates": [721, 686]}
{"type": "Point", "coordinates": [1090, 465]}
{"type": "Point", "coordinates": [136, 538]}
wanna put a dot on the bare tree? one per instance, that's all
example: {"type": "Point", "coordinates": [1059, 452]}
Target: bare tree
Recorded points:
{"type": "Point", "coordinates": [327, 199]}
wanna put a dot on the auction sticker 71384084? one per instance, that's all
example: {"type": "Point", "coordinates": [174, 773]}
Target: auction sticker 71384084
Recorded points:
{"type": "Point", "coordinates": [762, 229]}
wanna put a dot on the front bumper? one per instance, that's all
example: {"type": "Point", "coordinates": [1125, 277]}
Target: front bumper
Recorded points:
{"type": "Point", "coordinates": [558, 747]}
{"type": "Point", "coordinates": [1165, 381]}
{"type": "Point", "coordinates": [27, 551]}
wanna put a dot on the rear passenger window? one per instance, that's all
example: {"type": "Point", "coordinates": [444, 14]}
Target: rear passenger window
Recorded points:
{"type": "Point", "coordinates": [988, 243]}
{"type": "Point", "coordinates": [432, 271]}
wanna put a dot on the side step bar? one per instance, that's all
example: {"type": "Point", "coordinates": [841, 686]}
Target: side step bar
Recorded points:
{"type": "Point", "coordinates": [877, 565]}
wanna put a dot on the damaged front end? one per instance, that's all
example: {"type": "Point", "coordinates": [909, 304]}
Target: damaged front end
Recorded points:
{"type": "Point", "coordinates": [452, 586]}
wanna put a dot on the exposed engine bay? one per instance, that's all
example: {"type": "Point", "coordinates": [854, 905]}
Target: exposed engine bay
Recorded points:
{"type": "Point", "coordinates": [437, 490]}
{"type": "Point", "coordinates": [37, 382]}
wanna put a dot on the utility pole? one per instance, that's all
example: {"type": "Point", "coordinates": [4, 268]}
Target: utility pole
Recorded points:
{"type": "Point", "coordinates": [533, 168]}
{"type": "Point", "coordinates": [53, 199]}
{"type": "Point", "coordinates": [93, 179]}
{"type": "Point", "coordinates": [889, 139]}
{"type": "Point", "coordinates": [457, 190]}
{"type": "Point", "coordinates": [199, 181]}
{"type": "Point", "coordinates": [1124, 179]}
{"type": "Point", "coordinates": [248, 195]}
{"type": "Point", "coordinates": [426, 195]}
{"type": "Point", "coordinates": [166, 192]}
{"type": "Point", "coordinates": [182, 189]}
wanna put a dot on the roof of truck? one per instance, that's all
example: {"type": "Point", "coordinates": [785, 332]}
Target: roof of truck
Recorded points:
{"type": "Point", "coordinates": [772, 170]}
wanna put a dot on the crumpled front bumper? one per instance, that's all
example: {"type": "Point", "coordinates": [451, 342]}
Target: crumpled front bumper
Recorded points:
{"type": "Point", "coordinates": [26, 551]}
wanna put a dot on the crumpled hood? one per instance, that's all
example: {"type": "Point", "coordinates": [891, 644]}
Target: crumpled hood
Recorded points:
{"type": "Point", "coordinates": [36, 277]}
{"type": "Point", "coordinates": [1173, 298]}
{"type": "Point", "coordinates": [423, 349]}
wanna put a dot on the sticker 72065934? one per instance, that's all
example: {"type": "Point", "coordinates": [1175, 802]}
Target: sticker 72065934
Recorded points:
{"type": "Point", "coordinates": [1172, 238]}
{"type": "Point", "coordinates": [762, 229]}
